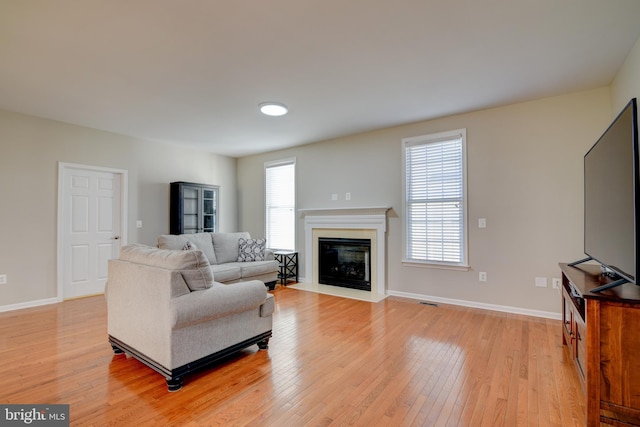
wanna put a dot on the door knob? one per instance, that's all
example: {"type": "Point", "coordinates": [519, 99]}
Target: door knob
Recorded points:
{"type": "Point", "coordinates": [116, 238]}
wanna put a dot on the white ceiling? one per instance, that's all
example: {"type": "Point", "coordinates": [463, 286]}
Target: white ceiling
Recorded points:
{"type": "Point", "coordinates": [194, 71]}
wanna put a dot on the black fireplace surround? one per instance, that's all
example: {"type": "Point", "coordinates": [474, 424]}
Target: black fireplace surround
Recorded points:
{"type": "Point", "coordinates": [345, 262]}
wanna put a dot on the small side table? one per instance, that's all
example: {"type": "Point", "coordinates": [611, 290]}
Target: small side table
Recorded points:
{"type": "Point", "coordinates": [288, 261]}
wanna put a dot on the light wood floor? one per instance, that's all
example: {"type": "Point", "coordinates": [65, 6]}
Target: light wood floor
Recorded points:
{"type": "Point", "coordinates": [331, 361]}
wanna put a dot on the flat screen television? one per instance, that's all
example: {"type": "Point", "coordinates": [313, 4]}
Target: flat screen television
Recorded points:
{"type": "Point", "coordinates": [612, 200]}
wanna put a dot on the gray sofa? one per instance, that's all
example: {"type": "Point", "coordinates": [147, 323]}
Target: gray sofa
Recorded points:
{"type": "Point", "coordinates": [223, 250]}
{"type": "Point", "coordinates": [165, 310]}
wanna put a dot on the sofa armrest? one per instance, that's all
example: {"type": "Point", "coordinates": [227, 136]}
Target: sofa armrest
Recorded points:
{"type": "Point", "coordinates": [218, 301]}
{"type": "Point", "coordinates": [267, 309]}
{"type": "Point", "coordinates": [268, 255]}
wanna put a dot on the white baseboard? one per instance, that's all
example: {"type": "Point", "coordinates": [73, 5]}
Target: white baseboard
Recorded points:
{"type": "Point", "coordinates": [28, 304]}
{"type": "Point", "coordinates": [474, 304]}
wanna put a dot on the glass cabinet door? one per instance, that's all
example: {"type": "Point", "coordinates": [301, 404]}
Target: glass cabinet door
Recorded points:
{"type": "Point", "coordinates": [190, 216]}
{"type": "Point", "coordinates": [209, 201]}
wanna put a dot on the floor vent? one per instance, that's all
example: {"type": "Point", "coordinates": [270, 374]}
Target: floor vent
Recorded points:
{"type": "Point", "coordinates": [433, 304]}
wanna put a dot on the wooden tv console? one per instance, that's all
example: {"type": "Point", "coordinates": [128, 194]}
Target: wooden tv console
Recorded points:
{"type": "Point", "coordinates": [601, 332]}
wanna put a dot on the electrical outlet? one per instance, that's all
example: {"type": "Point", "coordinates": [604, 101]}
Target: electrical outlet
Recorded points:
{"type": "Point", "coordinates": [347, 196]}
{"type": "Point", "coordinates": [482, 222]}
{"type": "Point", "coordinates": [334, 196]}
{"type": "Point", "coordinates": [3, 279]}
{"type": "Point", "coordinates": [556, 283]}
{"type": "Point", "coordinates": [482, 276]}
{"type": "Point", "coordinates": [139, 223]}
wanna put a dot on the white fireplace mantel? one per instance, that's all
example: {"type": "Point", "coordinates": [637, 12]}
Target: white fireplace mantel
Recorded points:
{"type": "Point", "coordinates": [376, 210]}
{"type": "Point", "coordinates": [364, 218]}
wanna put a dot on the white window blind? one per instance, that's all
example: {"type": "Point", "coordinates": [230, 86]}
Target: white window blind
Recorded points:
{"type": "Point", "coordinates": [435, 198]}
{"type": "Point", "coordinates": [280, 205]}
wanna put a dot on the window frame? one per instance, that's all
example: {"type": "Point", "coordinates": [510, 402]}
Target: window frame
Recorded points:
{"type": "Point", "coordinates": [426, 139]}
{"type": "Point", "coordinates": [271, 164]}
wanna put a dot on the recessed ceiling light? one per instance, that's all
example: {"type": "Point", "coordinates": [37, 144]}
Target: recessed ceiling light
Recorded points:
{"type": "Point", "coordinates": [273, 108]}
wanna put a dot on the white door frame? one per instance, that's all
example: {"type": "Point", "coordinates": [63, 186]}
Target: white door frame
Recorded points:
{"type": "Point", "coordinates": [124, 185]}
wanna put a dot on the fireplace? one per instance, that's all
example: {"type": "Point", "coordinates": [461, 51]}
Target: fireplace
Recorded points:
{"type": "Point", "coordinates": [353, 224]}
{"type": "Point", "coordinates": [345, 262]}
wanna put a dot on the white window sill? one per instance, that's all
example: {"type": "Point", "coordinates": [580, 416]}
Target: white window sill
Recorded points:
{"type": "Point", "coordinates": [441, 266]}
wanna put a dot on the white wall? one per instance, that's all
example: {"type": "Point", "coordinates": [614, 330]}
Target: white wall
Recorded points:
{"type": "Point", "coordinates": [524, 177]}
{"type": "Point", "coordinates": [626, 85]}
{"type": "Point", "coordinates": [30, 149]}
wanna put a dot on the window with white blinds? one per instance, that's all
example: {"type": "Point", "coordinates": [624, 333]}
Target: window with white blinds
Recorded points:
{"type": "Point", "coordinates": [280, 204]}
{"type": "Point", "coordinates": [435, 198]}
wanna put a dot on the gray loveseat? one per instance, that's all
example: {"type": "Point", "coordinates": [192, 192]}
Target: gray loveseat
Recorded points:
{"type": "Point", "coordinates": [165, 310]}
{"type": "Point", "coordinates": [223, 250]}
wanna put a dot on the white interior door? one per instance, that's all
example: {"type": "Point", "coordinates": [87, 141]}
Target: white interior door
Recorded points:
{"type": "Point", "coordinates": [91, 217]}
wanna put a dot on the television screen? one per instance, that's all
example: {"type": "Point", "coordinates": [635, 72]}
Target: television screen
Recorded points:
{"type": "Point", "coordinates": [610, 196]}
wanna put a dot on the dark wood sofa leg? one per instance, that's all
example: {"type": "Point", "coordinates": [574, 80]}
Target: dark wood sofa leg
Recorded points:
{"type": "Point", "coordinates": [174, 384]}
{"type": "Point", "coordinates": [264, 344]}
{"type": "Point", "coordinates": [116, 350]}
{"type": "Point", "coordinates": [271, 285]}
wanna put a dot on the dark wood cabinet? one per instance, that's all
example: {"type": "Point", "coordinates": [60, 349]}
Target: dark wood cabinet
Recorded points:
{"type": "Point", "coordinates": [602, 336]}
{"type": "Point", "coordinates": [193, 208]}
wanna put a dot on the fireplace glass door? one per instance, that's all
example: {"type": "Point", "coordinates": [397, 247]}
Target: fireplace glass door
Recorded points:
{"type": "Point", "coordinates": [345, 262]}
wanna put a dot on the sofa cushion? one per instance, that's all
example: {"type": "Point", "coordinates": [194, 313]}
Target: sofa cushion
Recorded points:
{"type": "Point", "coordinates": [201, 240]}
{"type": "Point", "coordinates": [251, 249]}
{"type": "Point", "coordinates": [226, 246]}
{"type": "Point", "coordinates": [225, 272]}
{"type": "Point", "coordinates": [192, 265]}
{"type": "Point", "coordinates": [256, 268]}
